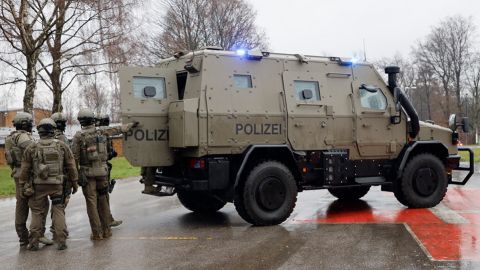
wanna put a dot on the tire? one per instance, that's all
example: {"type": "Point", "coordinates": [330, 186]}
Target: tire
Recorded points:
{"type": "Point", "coordinates": [423, 183]}
{"type": "Point", "coordinates": [349, 193]}
{"type": "Point", "coordinates": [200, 202]}
{"type": "Point", "coordinates": [268, 195]}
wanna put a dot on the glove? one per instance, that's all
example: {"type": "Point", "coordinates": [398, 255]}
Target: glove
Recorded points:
{"type": "Point", "coordinates": [27, 191]}
{"type": "Point", "coordinates": [22, 195]}
{"type": "Point", "coordinates": [74, 187]}
{"type": "Point", "coordinates": [127, 127]}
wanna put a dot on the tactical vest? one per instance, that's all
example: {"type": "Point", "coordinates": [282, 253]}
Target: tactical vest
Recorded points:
{"type": "Point", "coordinates": [13, 151]}
{"type": "Point", "coordinates": [93, 153]}
{"type": "Point", "coordinates": [48, 162]}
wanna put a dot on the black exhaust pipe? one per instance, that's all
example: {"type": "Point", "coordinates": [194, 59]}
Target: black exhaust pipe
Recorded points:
{"type": "Point", "coordinates": [392, 72]}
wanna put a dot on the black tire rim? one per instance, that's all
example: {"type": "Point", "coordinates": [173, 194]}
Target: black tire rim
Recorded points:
{"type": "Point", "coordinates": [271, 194]}
{"type": "Point", "coordinates": [425, 181]}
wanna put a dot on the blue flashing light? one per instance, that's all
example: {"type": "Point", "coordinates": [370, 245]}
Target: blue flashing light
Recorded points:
{"type": "Point", "coordinates": [241, 52]}
{"type": "Point", "coordinates": [354, 60]}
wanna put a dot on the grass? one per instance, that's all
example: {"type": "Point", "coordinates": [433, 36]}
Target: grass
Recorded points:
{"type": "Point", "coordinates": [7, 185]}
{"type": "Point", "coordinates": [121, 169]}
{"type": "Point", "coordinates": [476, 154]}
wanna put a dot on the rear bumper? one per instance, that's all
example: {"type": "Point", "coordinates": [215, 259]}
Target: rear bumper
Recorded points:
{"type": "Point", "coordinates": [453, 162]}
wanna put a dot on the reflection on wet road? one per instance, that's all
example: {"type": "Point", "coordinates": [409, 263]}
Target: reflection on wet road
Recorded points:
{"type": "Point", "coordinates": [158, 233]}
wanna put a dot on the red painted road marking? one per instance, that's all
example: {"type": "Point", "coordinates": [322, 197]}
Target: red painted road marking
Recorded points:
{"type": "Point", "coordinates": [442, 241]}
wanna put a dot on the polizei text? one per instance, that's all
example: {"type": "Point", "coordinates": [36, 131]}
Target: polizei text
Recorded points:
{"type": "Point", "coordinates": [258, 129]}
{"type": "Point", "coordinates": [148, 135]}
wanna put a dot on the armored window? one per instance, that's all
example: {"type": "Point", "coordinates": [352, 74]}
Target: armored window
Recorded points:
{"type": "Point", "coordinates": [373, 100]}
{"type": "Point", "coordinates": [242, 81]}
{"type": "Point", "coordinates": [149, 87]}
{"type": "Point", "coordinates": [307, 90]}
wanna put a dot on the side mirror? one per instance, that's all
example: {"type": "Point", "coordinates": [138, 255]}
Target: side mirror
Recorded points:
{"type": "Point", "coordinates": [452, 122]}
{"type": "Point", "coordinates": [149, 91]}
{"type": "Point", "coordinates": [396, 94]}
{"type": "Point", "coordinates": [307, 94]}
{"type": "Point", "coordinates": [465, 126]}
{"type": "Point", "coordinates": [369, 88]}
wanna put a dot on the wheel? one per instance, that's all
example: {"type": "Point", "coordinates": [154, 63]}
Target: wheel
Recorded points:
{"type": "Point", "coordinates": [423, 183]}
{"type": "Point", "coordinates": [349, 193]}
{"type": "Point", "coordinates": [268, 195]}
{"type": "Point", "coordinates": [200, 202]}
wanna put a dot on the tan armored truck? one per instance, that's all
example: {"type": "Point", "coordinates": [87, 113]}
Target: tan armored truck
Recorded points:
{"type": "Point", "coordinates": [255, 128]}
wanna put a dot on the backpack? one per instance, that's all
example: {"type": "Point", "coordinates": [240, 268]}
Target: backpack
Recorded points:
{"type": "Point", "coordinates": [48, 162]}
{"type": "Point", "coordinates": [94, 152]}
{"type": "Point", "coordinates": [14, 151]}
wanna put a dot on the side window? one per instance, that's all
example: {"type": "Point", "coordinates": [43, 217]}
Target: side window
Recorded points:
{"type": "Point", "coordinates": [242, 81]}
{"type": "Point", "coordinates": [307, 90]}
{"type": "Point", "coordinates": [376, 101]}
{"type": "Point", "coordinates": [149, 87]}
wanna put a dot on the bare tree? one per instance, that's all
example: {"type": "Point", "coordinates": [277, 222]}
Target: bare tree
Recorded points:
{"type": "Point", "coordinates": [25, 25]}
{"type": "Point", "coordinates": [459, 45]}
{"type": "Point", "coordinates": [83, 30]}
{"type": "Point", "coordinates": [94, 96]}
{"type": "Point", "coordinates": [445, 51]}
{"type": "Point", "coordinates": [473, 80]}
{"type": "Point", "coordinates": [426, 84]}
{"type": "Point", "coordinates": [192, 24]}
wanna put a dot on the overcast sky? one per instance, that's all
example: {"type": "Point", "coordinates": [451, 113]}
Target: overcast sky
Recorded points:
{"type": "Point", "coordinates": [338, 27]}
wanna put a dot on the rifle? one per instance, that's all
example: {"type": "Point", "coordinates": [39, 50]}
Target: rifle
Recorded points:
{"type": "Point", "coordinates": [112, 182]}
{"type": "Point", "coordinates": [82, 178]}
{"type": "Point", "coordinates": [67, 190]}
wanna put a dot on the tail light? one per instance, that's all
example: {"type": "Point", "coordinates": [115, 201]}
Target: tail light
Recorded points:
{"type": "Point", "coordinates": [196, 163]}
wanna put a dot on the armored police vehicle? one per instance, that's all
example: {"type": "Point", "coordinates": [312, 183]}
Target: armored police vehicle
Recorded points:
{"type": "Point", "coordinates": [255, 128]}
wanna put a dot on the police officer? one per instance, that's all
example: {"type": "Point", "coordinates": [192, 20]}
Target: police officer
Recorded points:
{"type": "Point", "coordinates": [61, 123]}
{"type": "Point", "coordinates": [46, 160]}
{"type": "Point", "coordinates": [104, 121]}
{"type": "Point", "coordinates": [15, 145]}
{"type": "Point", "coordinates": [90, 150]}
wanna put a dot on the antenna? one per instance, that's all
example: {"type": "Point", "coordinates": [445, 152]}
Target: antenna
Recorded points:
{"type": "Point", "coordinates": [364, 51]}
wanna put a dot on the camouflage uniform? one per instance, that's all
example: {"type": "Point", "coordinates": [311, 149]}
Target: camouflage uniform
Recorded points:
{"type": "Point", "coordinates": [47, 160]}
{"type": "Point", "coordinates": [90, 150]}
{"type": "Point", "coordinates": [15, 145]}
{"type": "Point", "coordinates": [104, 121]}
{"type": "Point", "coordinates": [60, 121]}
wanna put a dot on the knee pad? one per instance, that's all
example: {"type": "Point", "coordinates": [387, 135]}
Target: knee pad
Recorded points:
{"type": "Point", "coordinates": [56, 199]}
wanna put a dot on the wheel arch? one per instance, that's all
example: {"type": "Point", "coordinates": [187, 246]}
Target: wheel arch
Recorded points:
{"type": "Point", "coordinates": [435, 148]}
{"type": "Point", "coordinates": [281, 153]}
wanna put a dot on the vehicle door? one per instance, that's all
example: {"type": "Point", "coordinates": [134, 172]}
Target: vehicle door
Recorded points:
{"type": "Point", "coordinates": [145, 95]}
{"type": "Point", "coordinates": [376, 136]}
{"type": "Point", "coordinates": [310, 123]}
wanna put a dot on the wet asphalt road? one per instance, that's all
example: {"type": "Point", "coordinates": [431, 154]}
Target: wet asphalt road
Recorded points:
{"type": "Point", "coordinates": [158, 233]}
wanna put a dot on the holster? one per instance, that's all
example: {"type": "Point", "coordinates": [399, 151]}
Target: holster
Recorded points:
{"type": "Point", "coordinates": [57, 199]}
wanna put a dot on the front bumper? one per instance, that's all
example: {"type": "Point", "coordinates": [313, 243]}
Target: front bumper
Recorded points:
{"type": "Point", "coordinates": [454, 163]}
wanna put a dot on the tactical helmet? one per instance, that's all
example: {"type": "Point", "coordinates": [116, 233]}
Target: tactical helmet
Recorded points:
{"type": "Point", "coordinates": [85, 117]}
{"type": "Point", "coordinates": [103, 120]}
{"type": "Point", "coordinates": [23, 121]}
{"type": "Point", "coordinates": [60, 120]}
{"type": "Point", "coordinates": [46, 127]}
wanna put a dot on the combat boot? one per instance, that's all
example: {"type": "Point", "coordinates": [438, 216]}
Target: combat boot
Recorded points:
{"type": "Point", "coordinates": [116, 223]}
{"type": "Point", "coordinates": [44, 240]}
{"type": "Point", "coordinates": [149, 189]}
{"type": "Point", "coordinates": [32, 247]}
{"type": "Point", "coordinates": [61, 246]}
{"type": "Point", "coordinates": [95, 237]}
{"type": "Point", "coordinates": [107, 234]}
